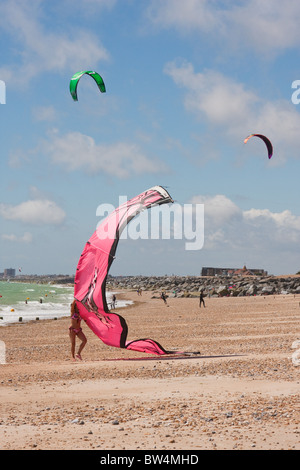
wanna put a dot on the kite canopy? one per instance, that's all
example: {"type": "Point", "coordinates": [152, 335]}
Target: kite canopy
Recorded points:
{"type": "Point", "coordinates": [266, 141]}
{"type": "Point", "coordinates": [92, 271]}
{"type": "Point", "coordinates": [76, 77]}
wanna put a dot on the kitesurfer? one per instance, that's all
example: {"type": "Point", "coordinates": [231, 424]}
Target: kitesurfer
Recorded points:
{"type": "Point", "coordinates": [76, 330]}
{"type": "Point", "coordinates": [164, 297]}
{"type": "Point", "coordinates": [201, 299]}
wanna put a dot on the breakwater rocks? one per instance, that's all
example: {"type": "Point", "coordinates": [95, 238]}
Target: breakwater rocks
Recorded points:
{"type": "Point", "coordinates": [191, 286]}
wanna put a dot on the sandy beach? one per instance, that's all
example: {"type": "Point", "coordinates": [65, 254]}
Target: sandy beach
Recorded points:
{"type": "Point", "coordinates": [241, 392]}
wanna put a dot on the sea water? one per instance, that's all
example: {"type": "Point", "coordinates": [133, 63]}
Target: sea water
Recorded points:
{"type": "Point", "coordinates": [30, 301]}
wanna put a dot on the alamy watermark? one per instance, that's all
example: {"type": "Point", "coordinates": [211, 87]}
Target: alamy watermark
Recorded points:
{"type": "Point", "coordinates": [2, 353]}
{"type": "Point", "coordinates": [2, 92]}
{"type": "Point", "coordinates": [296, 94]}
{"type": "Point", "coordinates": [174, 221]}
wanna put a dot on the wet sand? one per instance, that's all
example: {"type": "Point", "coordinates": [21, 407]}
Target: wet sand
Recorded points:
{"type": "Point", "coordinates": [241, 392]}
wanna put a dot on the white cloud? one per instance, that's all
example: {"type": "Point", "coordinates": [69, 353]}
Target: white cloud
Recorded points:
{"type": "Point", "coordinates": [212, 94]}
{"type": "Point", "coordinates": [17, 158]}
{"type": "Point", "coordinates": [281, 219]}
{"type": "Point", "coordinates": [26, 238]}
{"type": "Point", "coordinates": [257, 230]}
{"type": "Point", "coordinates": [187, 15]}
{"type": "Point", "coordinates": [76, 151]}
{"type": "Point", "coordinates": [266, 26]}
{"type": "Point", "coordinates": [236, 111]}
{"type": "Point", "coordinates": [44, 51]}
{"type": "Point", "coordinates": [44, 113]}
{"type": "Point", "coordinates": [34, 212]}
{"type": "Point", "coordinates": [283, 226]}
{"type": "Point", "coordinates": [99, 4]}
{"type": "Point", "coordinates": [218, 210]}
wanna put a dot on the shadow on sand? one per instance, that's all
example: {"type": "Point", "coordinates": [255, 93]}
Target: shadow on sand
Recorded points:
{"type": "Point", "coordinates": [172, 357]}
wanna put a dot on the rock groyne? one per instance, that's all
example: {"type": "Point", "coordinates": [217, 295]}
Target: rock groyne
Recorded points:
{"type": "Point", "coordinates": [190, 286]}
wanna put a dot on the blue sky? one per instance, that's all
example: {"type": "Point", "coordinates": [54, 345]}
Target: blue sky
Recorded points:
{"type": "Point", "coordinates": [186, 82]}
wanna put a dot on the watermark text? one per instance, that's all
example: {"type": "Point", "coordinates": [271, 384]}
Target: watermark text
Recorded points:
{"type": "Point", "coordinates": [166, 222]}
{"type": "Point", "coordinates": [2, 92]}
{"type": "Point", "coordinates": [296, 94]}
{"type": "Point", "coordinates": [2, 353]}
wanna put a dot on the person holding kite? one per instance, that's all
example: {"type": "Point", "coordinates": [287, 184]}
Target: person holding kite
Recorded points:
{"type": "Point", "coordinates": [76, 330]}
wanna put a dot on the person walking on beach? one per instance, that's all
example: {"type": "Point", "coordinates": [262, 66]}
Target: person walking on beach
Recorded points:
{"type": "Point", "coordinates": [76, 330]}
{"type": "Point", "coordinates": [164, 297]}
{"type": "Point", "coordinates": [202, 299]}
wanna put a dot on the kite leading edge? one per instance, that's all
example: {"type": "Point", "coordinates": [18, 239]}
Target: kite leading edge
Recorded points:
{"type": "Point", "coordinates": [77, 76]}
{"type": "Point", "coordinates": [266, 141]}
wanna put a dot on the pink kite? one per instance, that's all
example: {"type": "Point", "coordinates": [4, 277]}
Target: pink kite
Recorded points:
{"type": "Point", "coordinates": [92, 271]}
{"type": "Point", "coordinates": [266, 141]}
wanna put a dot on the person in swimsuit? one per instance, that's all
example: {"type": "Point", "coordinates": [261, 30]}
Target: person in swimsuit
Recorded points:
{"type": "Point", "coordinates": [76, 330]}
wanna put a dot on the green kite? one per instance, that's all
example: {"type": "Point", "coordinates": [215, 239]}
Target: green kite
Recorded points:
{"type": "Point", "coordinates": [76, 77]}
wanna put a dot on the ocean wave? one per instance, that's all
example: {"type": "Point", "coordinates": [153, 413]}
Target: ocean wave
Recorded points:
{"type": "Point", "coordinates": [45, 309]}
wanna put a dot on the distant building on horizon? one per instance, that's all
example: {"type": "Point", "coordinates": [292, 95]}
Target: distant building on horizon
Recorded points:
{"type": "Point", "coordinates": [210, 271]}
{"type": "Point", "coordinates": [9, 272]}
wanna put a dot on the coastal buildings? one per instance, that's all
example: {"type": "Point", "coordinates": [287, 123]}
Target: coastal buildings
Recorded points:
{"type": "Point", "coordinates": [210, 271]}
{"type": "Point", "coordinates": [8, 273]}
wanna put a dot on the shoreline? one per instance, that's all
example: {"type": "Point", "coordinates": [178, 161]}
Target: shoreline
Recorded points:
{"type": "Point", "coordinates": [242, 392]}
{"type": "Point", "coordinates": [22, 316]}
